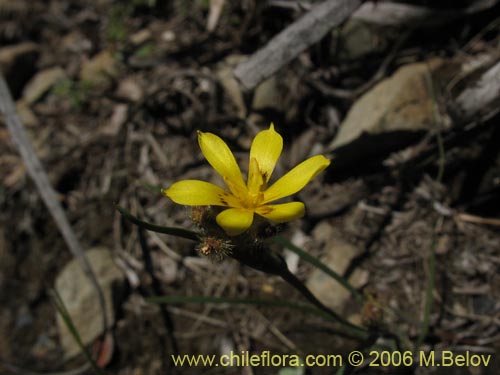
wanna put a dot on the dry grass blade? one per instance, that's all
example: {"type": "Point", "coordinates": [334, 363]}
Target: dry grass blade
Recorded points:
{"type": "Point", "coordinates": [479, 220]}
{"type": "Point", "coordinates": [61, 308]}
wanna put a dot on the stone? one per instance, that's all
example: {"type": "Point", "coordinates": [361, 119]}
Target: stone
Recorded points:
{"type": "Point", "coordinates": [101, 69]}
{"type": "Point", "coordinates": [42, 82]}
{"type": "Point", "coordinates": [359, 39]}
{"type": "Point", "coordinates": [17, 64]}
{"type": "Point", "coordinates": [268, 96]}
{"type": "Point", "coordinates": [80, 299]}
{"type": "Point", "coordinates": [338, 256]}
{"type": "Point", "coordinates": [230, 84]}
{"type": "Point", "coordinates": [388, 117]}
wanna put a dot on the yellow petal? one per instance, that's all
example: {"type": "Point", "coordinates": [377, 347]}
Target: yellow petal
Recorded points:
{"type": "Point", "coordinates": [266, 149]}
{"type": "Point", "coordinates": [221, 159]}
{"type": "Point", "coordinates": [296, 179]}
{"type": "Point", "coordinates": [199, 193]}
{"type": "Point", "coordinates": [235, 221]}
{"type": "Point", "coordinates": [281, 213]}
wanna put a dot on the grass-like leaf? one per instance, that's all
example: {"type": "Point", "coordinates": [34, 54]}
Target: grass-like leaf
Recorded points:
{"type": "Point", "coordinates": [320, 265]}
{"type": "Point", "coordinates": [306, 308]}
{"type": "Point", "coordinates": [179, 232]}
{"type": "Point", "coordinates": [151, 187]}
{"type": "Point", "coordinates": [236, 301]}
{"type": "Point", "coordinates": [431, 274]}
{"type": "Point", "coordinates": [61, 308]}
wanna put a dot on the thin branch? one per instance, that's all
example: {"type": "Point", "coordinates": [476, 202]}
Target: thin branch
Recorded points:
{"type": "Point", "coordinates": [408, 15]}
{"type": "Point", "coordinates": [293, 40]}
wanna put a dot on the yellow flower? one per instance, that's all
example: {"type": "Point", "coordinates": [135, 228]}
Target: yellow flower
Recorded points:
{"type": "Point", "coordinates": [246, 199]}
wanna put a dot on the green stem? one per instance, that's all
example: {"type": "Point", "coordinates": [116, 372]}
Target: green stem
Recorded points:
{"type": "Point", "coordinates": [297, 284]}
{"type": "Point", "coordinates": [271, 264]}
{"type": "Point", "coordinates": [431, 277]}
{"type": "Point", "coordinates": [320, 265]}
{"type": "Point", "coordinates": [179, 232]}
{"type": "Point", "coordinates": [436, 117]}
{"type": "Point", "coordinates": [431, 282]}
{"type": "Point", "coordinates": [357, 332]}
{"type": "Point", "coordinates": [234, 301]}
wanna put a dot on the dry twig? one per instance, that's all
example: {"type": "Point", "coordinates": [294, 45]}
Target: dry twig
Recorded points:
{"type": "Point", "coordinates": [397, 14]}
{"type": "Point", "coordinates": [290, 42]}
{"type": "Point", "coordinates": [49, 197]}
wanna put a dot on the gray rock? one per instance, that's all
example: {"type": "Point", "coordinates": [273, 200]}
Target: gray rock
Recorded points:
{"type": "Point", "coordinates": [230, 84]}
{"type": "Point", "coordinates": [338, 256]}
{"type": "Point", "coordinates": [267, 96]}
{"type": "Point", "coordinates": [81, 301]}
{"type": "Point", "coordinates": [390, 116]}
{"type": "Point", "coordinates": [359, 39]}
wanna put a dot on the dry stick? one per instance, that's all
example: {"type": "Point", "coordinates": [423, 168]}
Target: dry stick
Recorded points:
{"type": "Point", "coordinates": [38, 174]}
{"type": "Point", "coordinates": [397, 14]}
{"type": "Point", "coordinates": [478, 220]}
{"type": "Point", "coordinates": [472, 110]}
{"type": "Point", "coordinates": [290, 42]}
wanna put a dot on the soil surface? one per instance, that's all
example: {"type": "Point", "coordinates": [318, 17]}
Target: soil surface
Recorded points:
{"type": "Point", "coordinates": [112, 94]}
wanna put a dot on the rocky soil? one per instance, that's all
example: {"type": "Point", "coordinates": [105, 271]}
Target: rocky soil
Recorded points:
{"type": "Point", "coordinates": [402, 96]}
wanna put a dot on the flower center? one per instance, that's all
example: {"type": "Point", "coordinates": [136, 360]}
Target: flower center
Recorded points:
{"type": "Point", "coordinates": [256, 184]}
{"type": "Point", "coordinates": [255, 199]}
